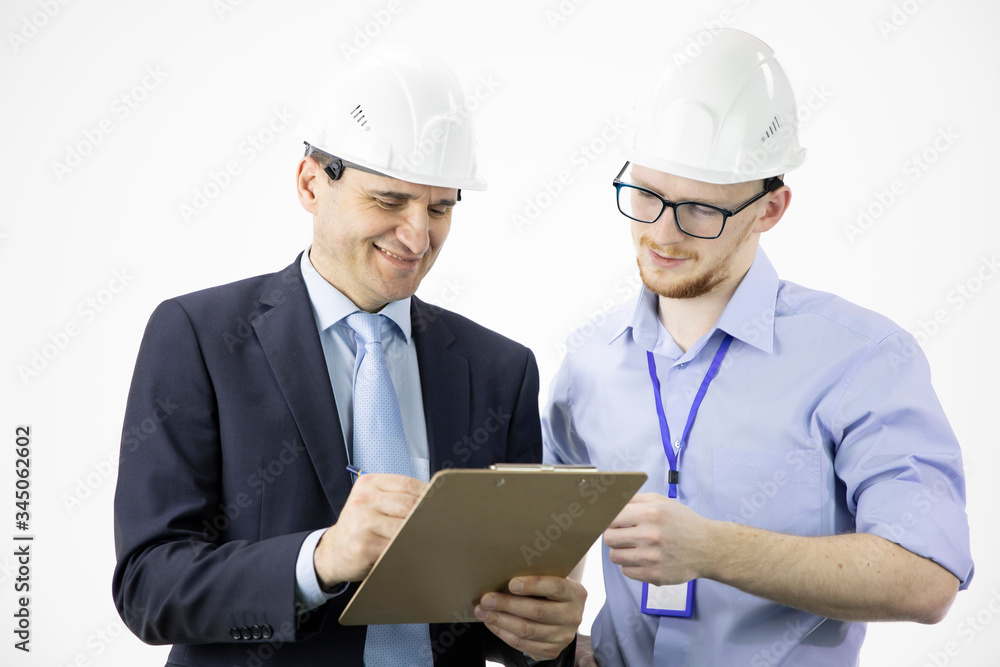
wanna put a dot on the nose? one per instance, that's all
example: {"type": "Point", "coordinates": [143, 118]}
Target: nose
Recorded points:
{"type": "Point", "coordinates": [414, 233]}
{"type": "Point", "coordinates": [665, 230]}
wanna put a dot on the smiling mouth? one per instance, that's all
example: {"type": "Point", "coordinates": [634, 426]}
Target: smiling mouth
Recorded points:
{"type": "Point", "coordinates": [394, 256]}
{"type": "Point", "coordinates": [667, 257]}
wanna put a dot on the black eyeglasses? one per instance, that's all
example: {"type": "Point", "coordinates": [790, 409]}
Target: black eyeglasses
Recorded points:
{"type": "Point", "coordinates": [697, 219]}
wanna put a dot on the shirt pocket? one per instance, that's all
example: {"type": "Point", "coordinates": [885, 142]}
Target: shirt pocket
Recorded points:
{"type": "Point", "coordinates": [776, 490]}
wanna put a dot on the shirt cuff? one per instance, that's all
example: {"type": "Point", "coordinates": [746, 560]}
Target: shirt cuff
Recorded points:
{"type": "Point", "coordinates": [308, 593]}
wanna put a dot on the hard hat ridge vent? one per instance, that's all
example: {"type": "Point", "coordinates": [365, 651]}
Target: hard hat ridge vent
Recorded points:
{"type": "Point", "coordinates": [358, 114]}
{"type": "Point", "coordinates": [772, 129]}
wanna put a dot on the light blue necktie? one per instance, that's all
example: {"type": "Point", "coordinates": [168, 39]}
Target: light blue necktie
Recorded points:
{"type": "Point", "coordinates": [380, 446]}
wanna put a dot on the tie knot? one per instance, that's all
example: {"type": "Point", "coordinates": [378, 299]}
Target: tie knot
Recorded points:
{"type": "Point", "coordinates": [367, 325]}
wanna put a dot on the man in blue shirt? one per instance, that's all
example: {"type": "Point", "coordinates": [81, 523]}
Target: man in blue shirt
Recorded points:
{"type": "Point", "coordinates": [803, 479]}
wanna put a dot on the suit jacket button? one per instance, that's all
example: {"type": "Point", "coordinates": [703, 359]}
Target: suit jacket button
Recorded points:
{"type": "Point", "coordinates": [255, 631]}
{"type": "Point", "coordinates": [235, 633]}
{"type": "Point", "coordinates": [265, 631]}
{"type": "Point", "coordinates": [246, 632]}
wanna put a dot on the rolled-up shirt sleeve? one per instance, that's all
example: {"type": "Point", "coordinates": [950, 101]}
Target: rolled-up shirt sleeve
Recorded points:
{"type": "Point", "coordinates": [900, 460]}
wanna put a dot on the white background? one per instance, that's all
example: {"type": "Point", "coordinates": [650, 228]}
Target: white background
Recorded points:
{"type": "Point", "coordinates": [878, 82]}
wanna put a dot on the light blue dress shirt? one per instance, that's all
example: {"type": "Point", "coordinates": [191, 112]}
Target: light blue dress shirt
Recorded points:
{"type": "Point", "coordinates": [821, 421]}
{"type": "Point", "coordinates": [331, 309]}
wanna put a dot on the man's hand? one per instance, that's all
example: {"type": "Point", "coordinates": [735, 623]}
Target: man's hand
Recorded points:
{"type": "Point", "coordinates": [539, 616]}
{"type": "Point", "coordinates": [371, 517]}
{"type": "Point", "coordinates": [659, 541]}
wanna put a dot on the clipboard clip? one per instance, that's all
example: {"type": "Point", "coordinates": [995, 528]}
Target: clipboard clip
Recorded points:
{"type": "Point", "coordinates": [541, 467]}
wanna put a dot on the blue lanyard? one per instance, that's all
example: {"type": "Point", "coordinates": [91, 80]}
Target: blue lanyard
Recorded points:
{"type": "Point", "coordinates": [672, 458]}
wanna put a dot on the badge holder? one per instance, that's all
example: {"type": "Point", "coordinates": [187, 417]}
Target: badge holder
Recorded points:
{"type": "Point", "coordinates": [673, 600]}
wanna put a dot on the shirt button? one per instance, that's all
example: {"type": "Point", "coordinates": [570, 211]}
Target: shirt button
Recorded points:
{"type": "Point", "coordinates": [682, 365]}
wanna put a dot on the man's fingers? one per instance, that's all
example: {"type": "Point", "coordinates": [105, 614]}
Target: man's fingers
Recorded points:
{"type": "Point", "coordinates": [397, 505]}
{"type": "Point", "coordinates": [522, 611]}
{"type": "Point", "coordinates": [622, 538]}
{"type": "Point", "coordinates": [536, 649]}
{"type": "Point", "coordinates": [552, 588]}
{"type": "Point", "coordinates": [635, 510]}
{"type": "Point", "coordinates": [391, 483]}
{"type": "Point", "coordinates": [644, 498]}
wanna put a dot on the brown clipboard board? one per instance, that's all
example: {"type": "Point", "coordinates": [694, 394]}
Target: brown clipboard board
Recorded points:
{"type": "Point", "coordinates": [473, 530]}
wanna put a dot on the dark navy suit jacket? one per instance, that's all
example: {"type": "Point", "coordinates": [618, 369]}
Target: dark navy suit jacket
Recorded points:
{"type": "Point", "coordinates": [232, 453]}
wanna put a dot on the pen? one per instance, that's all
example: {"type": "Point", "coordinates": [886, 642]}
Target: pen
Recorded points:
{"type": "Point", "coordinates": [356, 471]}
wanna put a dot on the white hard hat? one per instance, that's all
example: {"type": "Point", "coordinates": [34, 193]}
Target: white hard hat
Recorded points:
{"type": "Point", "coordinates": [720, 110]}
{"type": "Point", "coordinates": [401, 114]}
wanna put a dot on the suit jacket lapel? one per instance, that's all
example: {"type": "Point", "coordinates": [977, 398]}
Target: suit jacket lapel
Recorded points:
{"type": "Point", "coordinates": [288, 336]}
{"type": "Point", "coordinates": [445, 384]}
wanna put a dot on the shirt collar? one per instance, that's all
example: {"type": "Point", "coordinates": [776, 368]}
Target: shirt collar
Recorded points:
{"type": "Point", "coordinates": [749, 315]}
{"type": "Point", "coordinates": [331, 306]}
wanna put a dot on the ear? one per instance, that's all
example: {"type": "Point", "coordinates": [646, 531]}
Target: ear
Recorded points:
{"type": "Point", "coordinates": [777, 203]}
{"type": "Point", "coordinates": [308, 178]}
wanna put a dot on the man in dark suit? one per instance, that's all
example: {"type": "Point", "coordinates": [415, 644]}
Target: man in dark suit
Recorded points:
{"type": "Point", "coordinates": [239, 532]}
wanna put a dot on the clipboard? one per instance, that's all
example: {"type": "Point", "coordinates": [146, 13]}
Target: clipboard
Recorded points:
{"type": "Point", "coordinates": [473, 530]}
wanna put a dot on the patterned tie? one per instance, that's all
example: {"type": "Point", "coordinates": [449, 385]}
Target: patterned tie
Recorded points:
{"type": "Point", "coordinates": [380, 446]}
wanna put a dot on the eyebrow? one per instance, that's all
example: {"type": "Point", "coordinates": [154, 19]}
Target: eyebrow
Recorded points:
{"type": "Point", "coordinates": [711, 201]}
{"type": "Point", "coordinates": [396, 194]}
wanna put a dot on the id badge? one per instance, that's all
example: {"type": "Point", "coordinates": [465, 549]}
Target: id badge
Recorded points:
{"type": "Point", "coordinates": [673, 600]}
